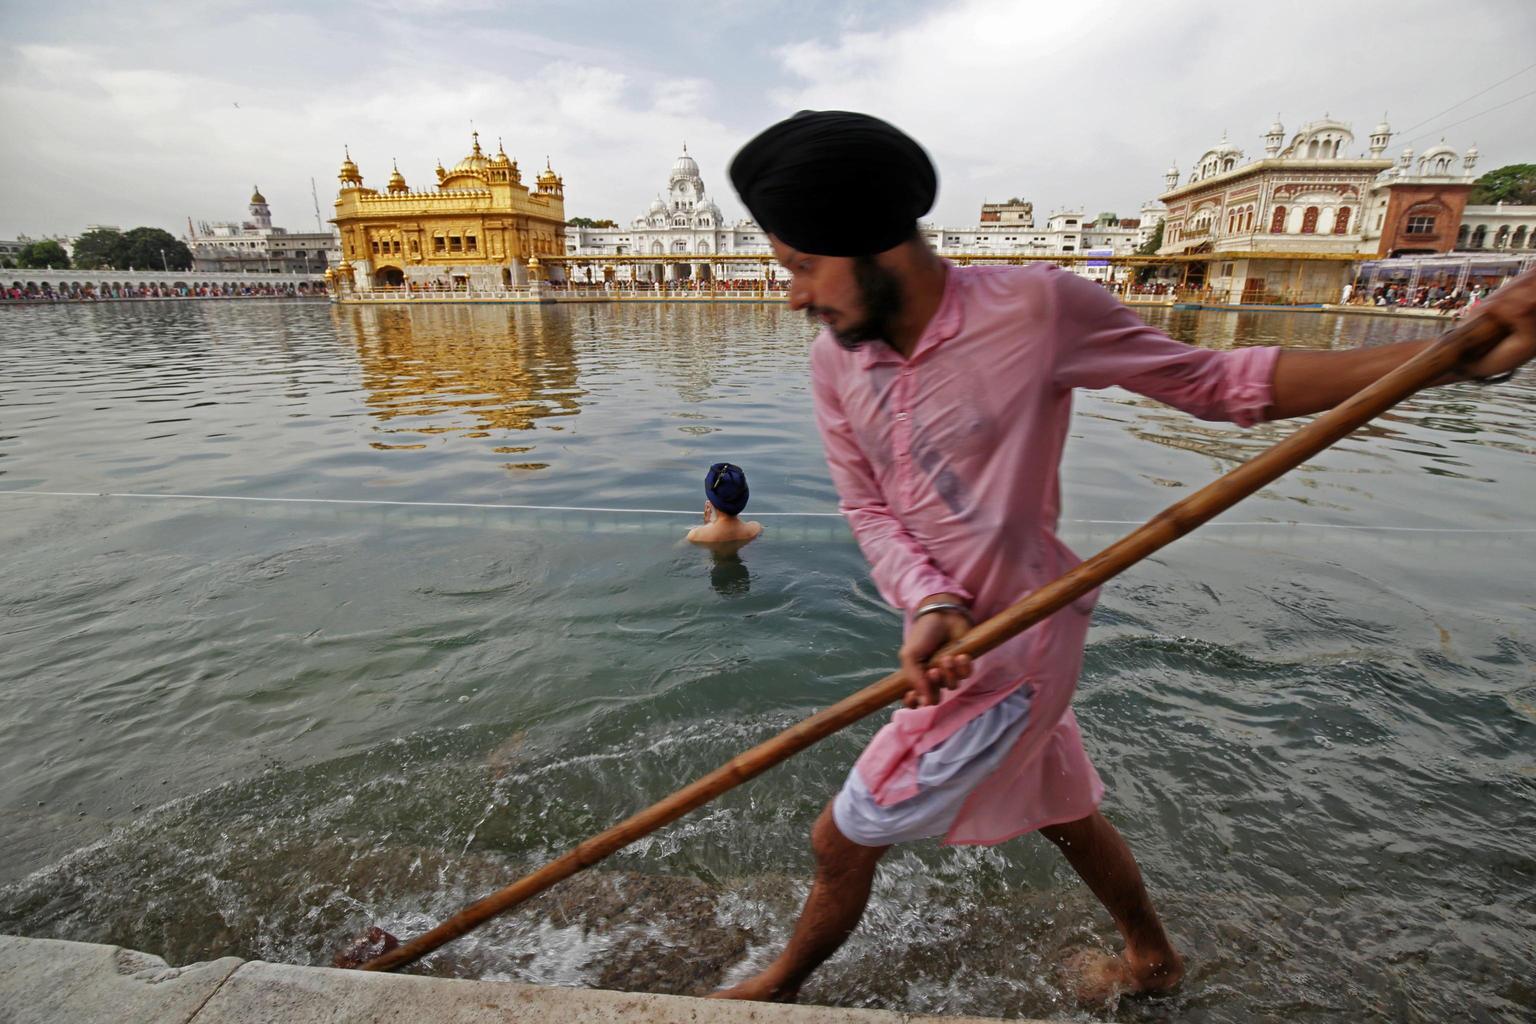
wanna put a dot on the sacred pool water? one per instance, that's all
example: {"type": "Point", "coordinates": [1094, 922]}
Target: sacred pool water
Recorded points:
{"type": "Point", "coordinates": [251, 728]}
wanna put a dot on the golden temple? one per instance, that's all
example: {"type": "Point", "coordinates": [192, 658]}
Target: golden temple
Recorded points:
{"type": "Point", "coordinates": [480, 227]}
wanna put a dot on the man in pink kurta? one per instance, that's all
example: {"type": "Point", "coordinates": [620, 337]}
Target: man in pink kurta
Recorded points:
{"type": "Point", "coordinates": [946, 465]}
{"type": "Point", "coordinates": [943, 395]}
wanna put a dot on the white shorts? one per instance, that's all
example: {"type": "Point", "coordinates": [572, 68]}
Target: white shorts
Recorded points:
{"type": "Point", "coordinates": [946, 775]}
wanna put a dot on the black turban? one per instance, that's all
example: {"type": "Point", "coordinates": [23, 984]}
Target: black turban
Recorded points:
{"type": "Point", "coordinates": [835, 183]}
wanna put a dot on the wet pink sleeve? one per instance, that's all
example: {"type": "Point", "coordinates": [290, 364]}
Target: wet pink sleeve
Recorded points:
{"type": "Point", "coordinates": [902, 569]}
{"type": "Point", "coordinates": [1100, 342]}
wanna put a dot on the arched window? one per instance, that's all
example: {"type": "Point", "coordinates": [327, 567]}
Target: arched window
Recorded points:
{"type": "Point", "coordinates": [1501, 240]}
{"type": "Point", "coordinates": [1518, 240]}
{"type": "Point", "coordinates": [1277, 223]}
{"type": "Point", "coordinates": [1461, 237]}
{"type": "Point", "coordinates": [1312, 150]}
{"type": "Point", "coordinates": [1479, 236]}
{"type": "Point", "coordinates": [1341, 221]}
{"type": "Point", "coordinates": [1248, 220]}
{"type": "Point", "coordinates": [1309, 221]}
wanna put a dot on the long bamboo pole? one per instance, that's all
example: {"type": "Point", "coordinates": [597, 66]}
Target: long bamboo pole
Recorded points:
{"type": "Point", "coordinates": [1455, 349]}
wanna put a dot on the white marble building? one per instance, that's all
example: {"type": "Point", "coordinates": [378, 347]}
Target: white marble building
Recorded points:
{"type": "Point", "coordinates": [1066, 233]}
{"type": "Point", "coordinates": [1311, 197]}
{"type": "Point", "coordinates": [254, 246]}
{"type": "Point", "coordinates": [685, 223]}
{"type": "Point", "coordinates": [1498, 226]}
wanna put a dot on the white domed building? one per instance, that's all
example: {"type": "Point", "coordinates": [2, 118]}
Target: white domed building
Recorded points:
{"type": "Point", "coordinates": [1287, 226]}
{"type": "Point", "coordinates": [685, 224]}
{"type": "Point", "coordinates": [254, 246]}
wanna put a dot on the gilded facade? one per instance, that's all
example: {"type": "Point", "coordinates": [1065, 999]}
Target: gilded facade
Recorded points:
{"type": "Point", "coordinates": [480, 227]}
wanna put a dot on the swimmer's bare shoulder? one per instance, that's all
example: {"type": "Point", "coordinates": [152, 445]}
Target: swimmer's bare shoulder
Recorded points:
{"type": "Point", "coordinates": [725, 533]}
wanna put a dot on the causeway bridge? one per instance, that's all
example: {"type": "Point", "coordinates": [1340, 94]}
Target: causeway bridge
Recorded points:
{"type": "Point", "coordinates": [88, 285]}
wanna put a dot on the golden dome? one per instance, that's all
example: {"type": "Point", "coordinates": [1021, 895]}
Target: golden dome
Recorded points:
{"type": "Point", "coordinates": [501, 159]}
{"type": "Point", "coordinates": [548, 178]}
{"type": "Point", "coordinates": [256, 196]}
{"type": "Point", "coordinates": [475, 163]}
{"type": "Point", "coordinates": [348, 175]}
{"type": "Point", "coordinates": [397, 180]}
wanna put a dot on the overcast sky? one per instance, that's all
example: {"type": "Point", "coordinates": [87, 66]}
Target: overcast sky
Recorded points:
{"type": "Point", "coordinates": [150, 113]}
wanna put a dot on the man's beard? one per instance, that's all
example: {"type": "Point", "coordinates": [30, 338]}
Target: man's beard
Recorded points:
{"type": "Point", "coordinates": [881, 296]}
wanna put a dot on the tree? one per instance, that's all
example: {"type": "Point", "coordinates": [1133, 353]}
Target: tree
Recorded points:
{"type": "Point", "coordinates": [44, 254]}
{"type": "Point", "coordinates": [588, 222]}
{"type": "Point", "coordinates": [1153, 243]}
{"type": "Point", "coordinates": [100, 249]}
{"type": "Point", "coordinates": [1515, 183]}
{"type": "Point", "coordinates": [154, 249]}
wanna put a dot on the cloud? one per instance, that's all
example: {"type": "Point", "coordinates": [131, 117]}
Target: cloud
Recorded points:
{"type": "Point", "coordinates": [128, 143]}
{"type": "Point", "coordinates": [127, 113]}
{"type": "Point", "coordinates": [1085, 104]}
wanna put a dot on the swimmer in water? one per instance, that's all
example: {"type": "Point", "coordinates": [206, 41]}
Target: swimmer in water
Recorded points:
{"type": "Point", "coordinates": [725, 496]}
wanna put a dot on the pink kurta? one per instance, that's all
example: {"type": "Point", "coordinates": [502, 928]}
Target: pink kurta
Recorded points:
{"type": "Point", "coordinates": [946, 467]}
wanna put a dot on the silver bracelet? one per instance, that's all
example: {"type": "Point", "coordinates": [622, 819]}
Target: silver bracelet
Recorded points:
{"type": "Point", "coordinates": [942, 606]}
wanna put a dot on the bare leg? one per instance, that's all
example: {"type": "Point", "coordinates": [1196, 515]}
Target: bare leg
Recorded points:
{"type": "Point", "coordinates": [844, 873]}
{"type": "Point", "coordinates": [1103, 860]}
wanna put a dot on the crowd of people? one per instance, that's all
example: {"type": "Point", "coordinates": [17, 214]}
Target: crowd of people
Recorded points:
{"type": "Point", "coordinates": [1437, 295]}
{"type": "Point", "coordinates": [86, 292]}
{"type": "Point", "coordinates": [685, 286]}
{"type": "Point", "coordinates": [1157, 288]}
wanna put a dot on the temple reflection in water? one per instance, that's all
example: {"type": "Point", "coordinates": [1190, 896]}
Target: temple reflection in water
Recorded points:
{"type": "Point", "coordinates": [473, 372]}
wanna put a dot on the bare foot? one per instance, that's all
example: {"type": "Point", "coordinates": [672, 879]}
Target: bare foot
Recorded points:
{"type": "Point", "coordinates": [1097, 978]}
{"type": "Point", "coordinates": [759, 988]}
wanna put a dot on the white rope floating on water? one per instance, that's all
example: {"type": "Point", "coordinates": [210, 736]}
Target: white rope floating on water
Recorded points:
{"type": "Point", "coordinates": [492, 506]}
{"type": "Point", "coordinates": [403, 504]}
